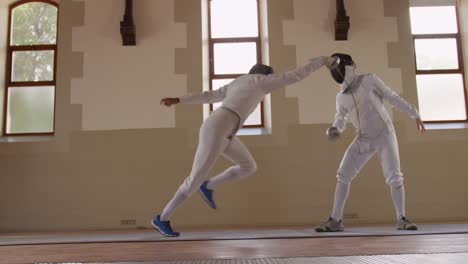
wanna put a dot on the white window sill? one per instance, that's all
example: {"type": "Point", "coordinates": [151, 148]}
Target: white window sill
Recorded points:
{"type": "Point", "coordinates": [17, 139]}
{"type": "Point", "coordinates": [260, 131]}
{"type": "Point", "coordinates": [445, 126]}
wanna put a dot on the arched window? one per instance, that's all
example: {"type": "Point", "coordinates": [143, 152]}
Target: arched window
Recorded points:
{"type": "Point", "coordinates": [31, 68]}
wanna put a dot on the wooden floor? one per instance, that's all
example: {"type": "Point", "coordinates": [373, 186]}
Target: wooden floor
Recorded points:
{"type": "Point", "coordinates": [234, 249]}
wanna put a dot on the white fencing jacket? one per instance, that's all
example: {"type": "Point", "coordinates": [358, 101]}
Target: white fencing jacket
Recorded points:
{"type": "Point", "coordinates": [243, 94]}
{"type": "Point", "coordinates": [363, 102]}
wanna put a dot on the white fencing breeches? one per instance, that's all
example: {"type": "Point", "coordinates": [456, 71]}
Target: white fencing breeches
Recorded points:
{"type": "Point", "coordinates": [245, 166]}
{"type": "Point", "coordinates": [214, 139]}
{"type": "Point", "coordinates": [357, 155]}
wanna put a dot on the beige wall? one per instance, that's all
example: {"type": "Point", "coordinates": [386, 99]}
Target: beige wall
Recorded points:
{"type": "Point", "coordinates": [312, 33]}
{"type": "Point", "coordinates": [121, 86]}
{"type": "Point", "coordinates": [130, 167]}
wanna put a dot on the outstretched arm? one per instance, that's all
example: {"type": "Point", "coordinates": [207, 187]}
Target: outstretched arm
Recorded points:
{"type": "Point", "coordinates": [275, 81]}
{"type": "Point", "coordinates": [207, 97]}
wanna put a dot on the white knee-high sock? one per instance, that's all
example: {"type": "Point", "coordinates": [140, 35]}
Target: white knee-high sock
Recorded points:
{"type": "Point", "coordinates": [175, 202]}
{"type": "Point", "coordinates": [398, 197]}
{"type": "Point", "coordinates": [341, 195]}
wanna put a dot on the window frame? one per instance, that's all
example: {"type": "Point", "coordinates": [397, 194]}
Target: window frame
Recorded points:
{"type": "Point", "coordinates": [213, 41]}
{"type": "Point", "coordinates": [461, 66]}
{"type": "Point", "coordinates": [10, 49]}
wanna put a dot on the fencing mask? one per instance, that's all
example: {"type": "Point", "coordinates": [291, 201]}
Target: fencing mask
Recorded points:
{"type": "Point", "coordinates": [338, 72]}
{"type": "Point", "coordinates": [261, 69]}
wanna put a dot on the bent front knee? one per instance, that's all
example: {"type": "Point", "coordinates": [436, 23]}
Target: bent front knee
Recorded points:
{"type": "Point", "coordinates": [252, 169]}
{"type": "Point", "coordinates": [249, 169]}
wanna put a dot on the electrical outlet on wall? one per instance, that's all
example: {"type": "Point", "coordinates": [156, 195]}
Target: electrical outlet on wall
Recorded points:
{"type": "Point", "coordinates": [128, 222]}
{"type": "Point", "coordinates": [351, 216]}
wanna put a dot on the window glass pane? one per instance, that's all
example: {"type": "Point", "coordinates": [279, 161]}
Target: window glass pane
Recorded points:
{"type": "Point", "coordinates": [234, 58]}
{"type": "Point", "coordinates": [441, 97]}
{"type": "Point", "coordinates": [433, 20]}
{"type": "Point", "coordinates": [30, 109]}
{"type": "Point", "coordinates": [33, 66]}
{"type": "Point", "coordinates": [436, 54]}
{"type": "Point", "coordinates": [34, 23]}
{"type": "Point", "coordinates": [254, 119]}
{"type": "Point", "coordinates": [234, 18]}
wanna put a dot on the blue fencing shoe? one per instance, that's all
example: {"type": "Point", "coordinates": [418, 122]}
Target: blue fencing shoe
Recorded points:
{"type": "Point", "coordinates": [164, 227]}
{"type": "Point", "coordinates": [207, 195]}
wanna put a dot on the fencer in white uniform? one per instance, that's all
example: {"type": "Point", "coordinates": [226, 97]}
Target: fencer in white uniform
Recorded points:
{"type": "Point", "coordinates": [361, 98]}
{"type": "Point", "coordinates": [218, 133]}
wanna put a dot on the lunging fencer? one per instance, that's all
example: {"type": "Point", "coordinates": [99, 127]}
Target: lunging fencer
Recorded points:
{"type": "Point", "coordinates": [218, 133]}
{"type": "Point", "coordinates": [361, 98]}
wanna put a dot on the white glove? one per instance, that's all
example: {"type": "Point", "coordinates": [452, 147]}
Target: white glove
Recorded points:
{"type": "Point", "coordinates": [332, 62]}
{"type": "Point", "coordinates": [333, 133]}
